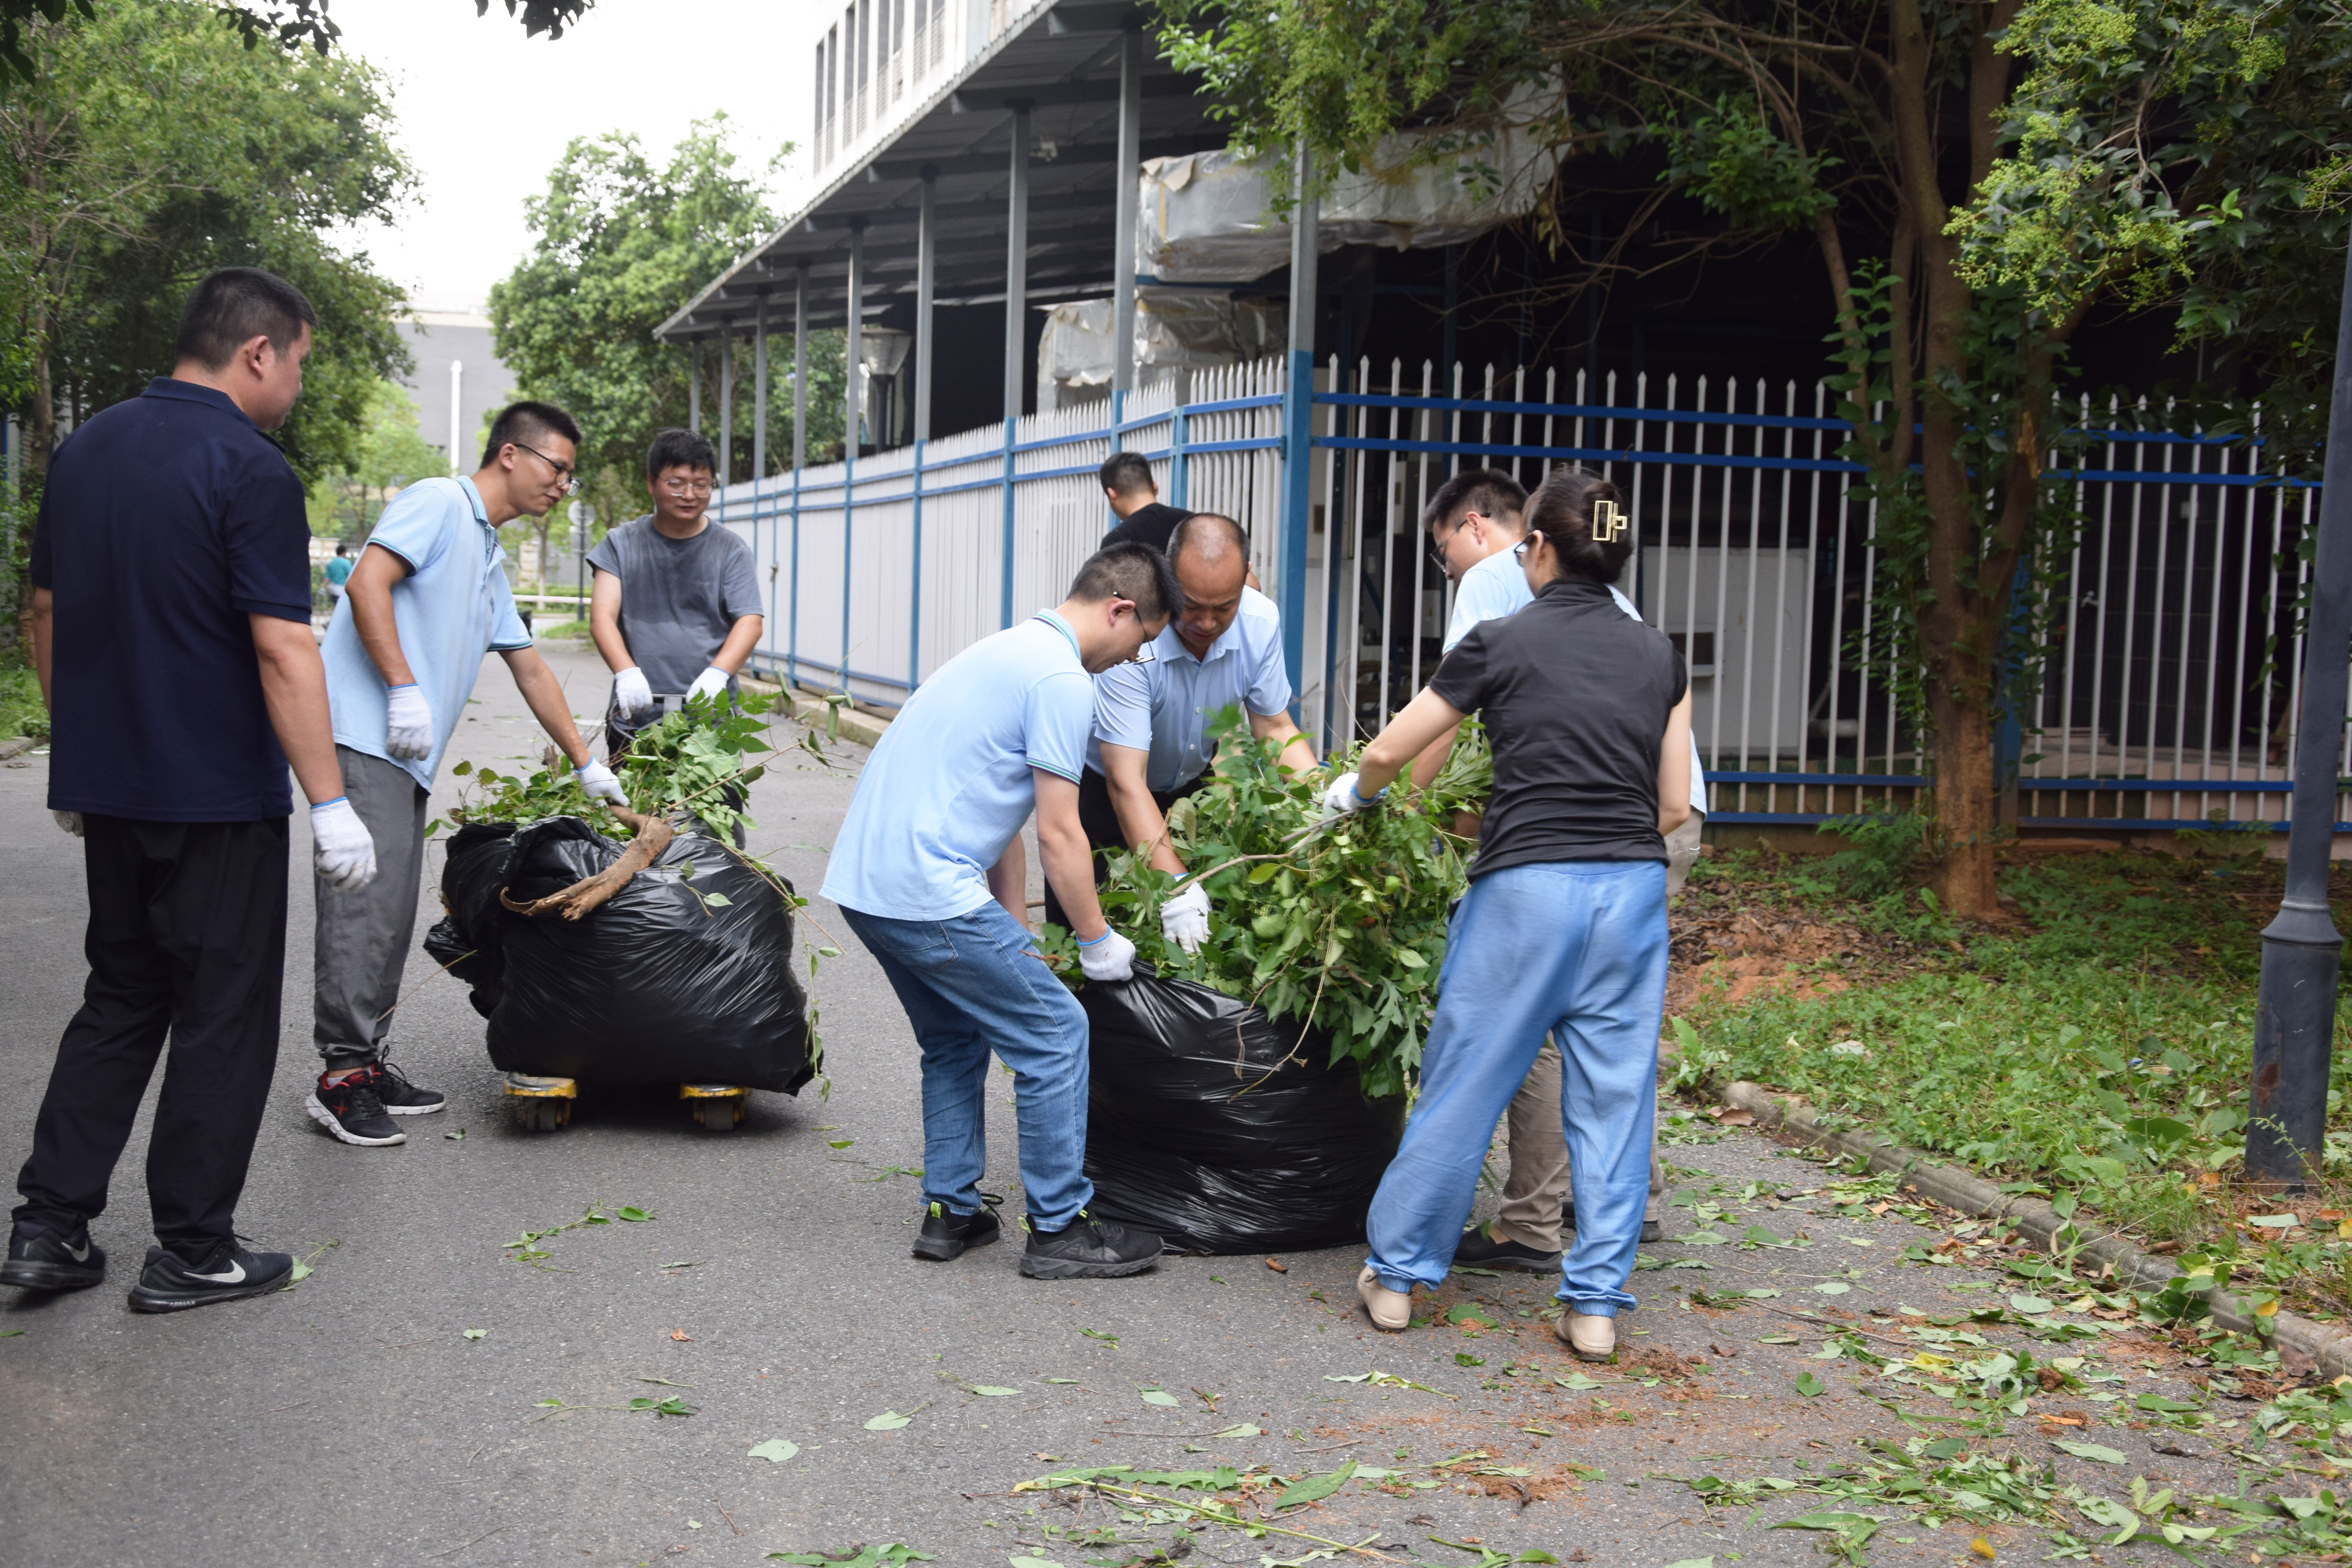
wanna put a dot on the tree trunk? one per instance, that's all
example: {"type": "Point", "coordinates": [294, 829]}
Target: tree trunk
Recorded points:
{"type": "Point", "coordinates": [1965, 813]}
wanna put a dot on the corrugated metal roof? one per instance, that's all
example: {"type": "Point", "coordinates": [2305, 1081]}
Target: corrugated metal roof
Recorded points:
{"type": "Point", "coordinates": [1065, 65]}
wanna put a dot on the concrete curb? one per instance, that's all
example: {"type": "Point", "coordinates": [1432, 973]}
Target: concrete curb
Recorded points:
{"type": "Point", "coordinates": [17, 746]}
{"type": "Point", "coordinates": [2329, 1345]}
{"type": "Point", "coordinates": [865, 729]}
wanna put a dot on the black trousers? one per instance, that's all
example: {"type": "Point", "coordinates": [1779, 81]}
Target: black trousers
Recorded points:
{"type": "Point", "coordinates": [1100, 817]}
{"type": "Point", "coordinates": [187, 934]}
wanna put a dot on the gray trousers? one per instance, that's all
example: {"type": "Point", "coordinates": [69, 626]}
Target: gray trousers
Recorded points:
{"type": "Point", "coordinates": [363, 935]}
{"type": "Point", "coordinates": [1537, 1187]}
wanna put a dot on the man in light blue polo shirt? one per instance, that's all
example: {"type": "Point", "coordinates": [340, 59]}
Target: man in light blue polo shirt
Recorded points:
{"type": "Point", "coordinates": [1151, 746]}
{"type": "Point", "coordinates": [930, 872]}
{"type": "Point", "coordinates": [1476, 521]}
{"type": "Point", "coordinates": [427, 600]}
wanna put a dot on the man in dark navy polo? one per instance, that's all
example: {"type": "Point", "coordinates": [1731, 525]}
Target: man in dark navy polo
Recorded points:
{"type": "Point", "coordinates": [172, 634]}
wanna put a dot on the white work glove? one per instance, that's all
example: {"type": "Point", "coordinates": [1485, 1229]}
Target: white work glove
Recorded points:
{"type": "Point", "coordinates": [598, 781]}
{"type": "Point", "coordinates": [1184, 918]}
{"type": "Point", "coordinates": [711, 683]}
{"type": "Point", "coordinates": [631, 695]}
{"type": "Point", "coordinates": [1110, 956]}
{"type": "Point", "coordinates": [408, 723]}
{"type": "Point", "coordinates": [1341, 799]}
{"type": "Point", "coordinates": [68, 820]}
{"type": "Point", "coordinates": [341, 849]}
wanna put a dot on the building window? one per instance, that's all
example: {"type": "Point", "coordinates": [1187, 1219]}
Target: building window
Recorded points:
{"type": "Point", "coordinates": [817, 132]}
{"type": "Point", "coordinates": [861, 18]}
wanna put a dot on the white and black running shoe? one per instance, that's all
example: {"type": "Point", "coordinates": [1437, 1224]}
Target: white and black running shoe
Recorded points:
{"type": "Point", "coordinates": [40, 1259]}
{"type": "Point", "coordinates": [350, 1108]}
{"type": "Point", "coordinates": [171, 1284]}
{"type": "Point", "coordinates": [400, 1097]}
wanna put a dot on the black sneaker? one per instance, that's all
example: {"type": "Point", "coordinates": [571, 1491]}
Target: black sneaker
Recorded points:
{"type": "Point", "coordinates": [947, 1235]}
{"type": "Point", "coordinates": [41, 1259]}
{"type": "Point", "coordinates": [1089, 1248]}
{"type": "Point", "coordinates": [168, 1284]}
{"type": "Point", "coordinates": [1481, 1250]}
{"type": "Point", "coordinates": [350, 1108]}
{"type": "Point", "coordinates": [401, 1097]}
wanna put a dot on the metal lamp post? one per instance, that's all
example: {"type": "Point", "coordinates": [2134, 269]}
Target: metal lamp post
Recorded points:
{"type": "Point", "coordinates": [2295, 1024]}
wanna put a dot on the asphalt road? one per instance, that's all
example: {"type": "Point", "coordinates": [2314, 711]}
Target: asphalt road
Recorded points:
{"type": "Point", "coordinates": [352, 1420]}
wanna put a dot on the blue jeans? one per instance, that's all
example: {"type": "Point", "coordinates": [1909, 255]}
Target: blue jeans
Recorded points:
{"type": "Point", "coordinates": [971, 985]}
{"type": "Point", "coordinates": [1577, 948]}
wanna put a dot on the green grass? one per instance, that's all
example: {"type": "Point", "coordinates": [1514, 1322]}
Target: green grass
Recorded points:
{"type": "Point", "coordinates": [2098, 1048]}
{"type": "Point", "coordinates": [21, 712]}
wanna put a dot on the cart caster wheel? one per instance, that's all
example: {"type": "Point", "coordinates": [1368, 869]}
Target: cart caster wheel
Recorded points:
{"type": "Point", "coordinates": [543, 1115]}
{"type": "Point", "coordinates": [540, 1104]}
{"type": "Point", "coordinates": [717, 1107]}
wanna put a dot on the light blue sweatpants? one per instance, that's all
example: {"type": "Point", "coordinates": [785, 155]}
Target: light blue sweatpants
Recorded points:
{"type": "Point", "coordinates": [1578, 948]}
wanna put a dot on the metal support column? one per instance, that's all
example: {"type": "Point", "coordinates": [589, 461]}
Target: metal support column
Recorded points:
{"type": "Point", "coordinates": [800, 461]}
{"type": "Point", "coordinates": [1016, 336]}
{"type": "Point", "coordinates": [1122, 239]}
{"type": "Point", "coordinates": [925, 269]}
{"type": "Point", "coordinates": [1297, 430]}
{"type": "Point", "coordinates": [694, 386]}
{"type": "Point", "coordinates": [726, 407]}
{"type": "Point", "coordinates": [854, 351]}
{"type": "Point", "coordinates": [760, 390]}
{"type": "Point", "coordinates": [2295, 1017]}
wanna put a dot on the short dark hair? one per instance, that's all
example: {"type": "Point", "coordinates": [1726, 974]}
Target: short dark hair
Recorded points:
{"type": "Point", "coordinates": [519, 422]}
{"type": "Point", "coordinates": [1561, 511]}
{"type": "Point", "coordinates": [1125, 473]}
{"type": "Point", "coordinates": [675, 448]}
{"type": "Point", "coordinates": [1129, 570]}
{"type": "Point", "coordinates": [1489, 492]}
{"type": "Point", "coordinates": [342, 547]}
{"type": "Point", "coordinates": [1206, 522]}
{"type": "Point", "coordinates": [232, 306]}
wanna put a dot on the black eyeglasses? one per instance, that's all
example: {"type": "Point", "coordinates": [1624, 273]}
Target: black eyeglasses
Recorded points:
{"type": "Point", "coordinates": [1519, 551]}
{"type": "Point", "coordinates": [562, 470]}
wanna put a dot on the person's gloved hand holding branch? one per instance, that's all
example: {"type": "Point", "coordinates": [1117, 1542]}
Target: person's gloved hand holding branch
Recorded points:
{"type": "Point", "coordinates": [1184, 918]}
{"type": "Point", "coordinates": [598, 781]}
{"type": "Point", "coordinates": [711, 683]}
{"type": "Point", "coordinates": [631, 694]}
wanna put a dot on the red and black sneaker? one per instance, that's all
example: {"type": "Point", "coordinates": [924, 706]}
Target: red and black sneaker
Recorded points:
{"type": "Point", "coordinates": [351, 1110]}
{"type": "Point", "coordinates": [401, 1097]}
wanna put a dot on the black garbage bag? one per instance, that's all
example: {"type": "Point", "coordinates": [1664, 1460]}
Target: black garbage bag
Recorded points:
{"type": "Point", "coordinates": [686, 975]}
{"type": "Point", "coordinates": [1223, 1131]}
{"type": "Point", "coordinates": [465, 940]}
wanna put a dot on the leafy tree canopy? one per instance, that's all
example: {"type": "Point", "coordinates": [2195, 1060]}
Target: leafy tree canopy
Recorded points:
{"type": "Point", "coordinates": [389, 455]}
{"type": "Point", "coordinates": [621, 240]}
{"type": "Point", "coordinates": [110, 210]}
{"type": "Point", "coordinates": [292, 24]}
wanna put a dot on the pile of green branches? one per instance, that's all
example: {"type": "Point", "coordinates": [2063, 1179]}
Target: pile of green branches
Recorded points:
{"type": "Point", "coordinates": [1340, 926]}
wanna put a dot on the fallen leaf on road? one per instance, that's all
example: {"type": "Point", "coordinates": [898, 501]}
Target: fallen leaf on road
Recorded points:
{"type": "Point", "coordinates": [1277, 1265]}
{"type": "Point", "coordinates": [1315, 1489]}
{"type": "Point", "coordinates": [632, 1213]}
{"type": "Point", "coordinates": [1158, 1397]}
{"type": "Point", "coordinates": [476, 1334]}
{"type": "Point", "coordinates": [888, 1421]}
{"type": "Point", "coordinates": [1981, 1547]}
{"type": "Point", "coordinates": [681, 1336]}
{"type": "Point", "coordinates": [2098, 1451]}
{"type": "Point", "coordinates": [1809, 1385]}
{"type": "Point", "coordinates": [1097, 1334]}
{"type": "Point", "coordinates": [992, 1392]}
{"type": "Point", "coordinates": [775, 1450]}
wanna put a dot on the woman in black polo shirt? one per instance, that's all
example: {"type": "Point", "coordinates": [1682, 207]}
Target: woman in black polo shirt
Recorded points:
{"type": "Point", "coordinates": [1564, 928]}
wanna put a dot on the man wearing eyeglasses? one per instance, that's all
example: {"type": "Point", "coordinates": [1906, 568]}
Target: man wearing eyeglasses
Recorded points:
{"type": "Point", "coordinates": [676, 606]}
{"type": "Point", "coordinates": [428, 599]}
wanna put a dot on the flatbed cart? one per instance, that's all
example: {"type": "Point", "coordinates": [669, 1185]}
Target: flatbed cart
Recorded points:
{"type": "Point", "coordinates": [544, 1104]}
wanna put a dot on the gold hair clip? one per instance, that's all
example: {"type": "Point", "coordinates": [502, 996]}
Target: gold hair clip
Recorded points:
{"type": "Point", "coordinates": [1609, 523]}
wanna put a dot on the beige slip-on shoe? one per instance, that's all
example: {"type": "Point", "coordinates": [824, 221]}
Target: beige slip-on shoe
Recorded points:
{"type": "Point", "coordinates": [1591, 1338]}
{"type": "Point", "coordinates": [1390, 1311]}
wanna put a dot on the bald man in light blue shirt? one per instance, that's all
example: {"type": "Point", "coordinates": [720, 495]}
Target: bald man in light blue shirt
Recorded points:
{"type": "Point", "coordinates": [1150, 744]}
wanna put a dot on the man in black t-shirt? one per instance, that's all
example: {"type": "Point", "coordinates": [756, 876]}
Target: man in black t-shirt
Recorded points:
{"type": "Point", "coordinates": [1134, 496]}
{"type": "Point", "coordinates": [172, 634]}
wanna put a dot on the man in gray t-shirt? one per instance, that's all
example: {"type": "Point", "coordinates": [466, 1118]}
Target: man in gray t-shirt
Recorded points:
{"type": "Point", "coordinates": [676, 606]}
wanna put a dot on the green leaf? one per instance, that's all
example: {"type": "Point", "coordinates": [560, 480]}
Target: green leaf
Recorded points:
{"type": "Point", "coordinates": [1833, 1287]}
{"type": "Point", "coordinates": [1032, 1563]}
{"type": "Point", "coordinates": [2032, 1305]}
{"type": "Point", "coordinates": [476, 1334]}
{"type": "Point", "coordinates": [981, 1388]}
{"type": "Point", "coordinates": [1111, 1339]}
{"type": "Point", "coordinates": [2159, 1403]}
{"type": "Point", "coordinates": [2098, 1451]}
{"type": "Point", "coordinates": [775, 1450]}
{"type": "Point", "coordinates": [1314, 1489]}
{"type": "Point", "coordinates": [632, 1213]}
{"type": "Point", "coordinates": [1809, 1385]}
{"type": "Point", "coordinates": [1577, 1382]}
{"type": "Point", "coordinates": [888, 1421]}
{"type": "Point", "coordinates": [1160, 1396]}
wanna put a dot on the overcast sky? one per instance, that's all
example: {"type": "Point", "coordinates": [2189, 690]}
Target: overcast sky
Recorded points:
{"type": "Point", "coordinates": [485, 113]}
